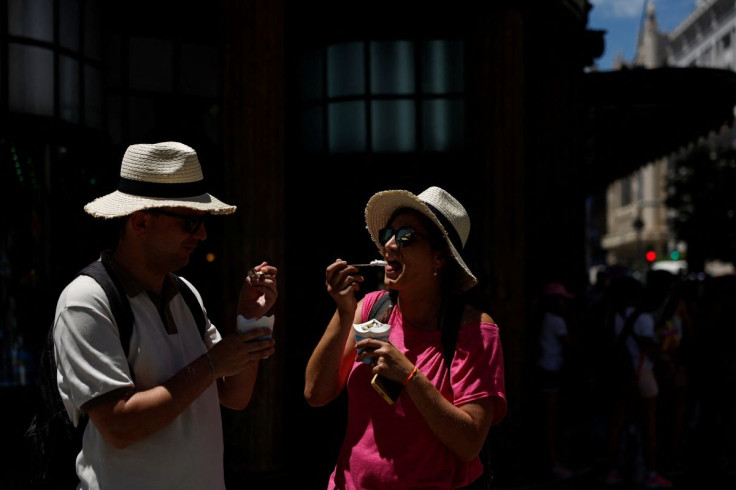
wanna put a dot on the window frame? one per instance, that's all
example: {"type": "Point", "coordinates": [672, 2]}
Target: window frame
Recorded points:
{"type": "Point", "coordinates": [368, 97]}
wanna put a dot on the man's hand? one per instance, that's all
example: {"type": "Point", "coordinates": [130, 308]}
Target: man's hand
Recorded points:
{"type": "Point", "coordinates": [259, 291]}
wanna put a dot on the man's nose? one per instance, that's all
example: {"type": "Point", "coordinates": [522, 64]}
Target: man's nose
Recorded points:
{"type": "Point", "coordinates": [201, 233]}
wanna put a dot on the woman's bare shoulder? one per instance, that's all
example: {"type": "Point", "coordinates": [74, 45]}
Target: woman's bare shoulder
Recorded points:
{"type": "Point", "coordinates": [474, 315]}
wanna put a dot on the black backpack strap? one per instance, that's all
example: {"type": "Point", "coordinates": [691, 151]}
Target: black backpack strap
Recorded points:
{"type": "Point", "coordinates": [383, 302]}
{"type": "Point", "coordinates": [193, 304]}
{"type": "Point", "coordinates": [119, 304]}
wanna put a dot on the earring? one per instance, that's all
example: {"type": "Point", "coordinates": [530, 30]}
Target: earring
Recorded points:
{"type": "Point", "coordinates": [434, 272]}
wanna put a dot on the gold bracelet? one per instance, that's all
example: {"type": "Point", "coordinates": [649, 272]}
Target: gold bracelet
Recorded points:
{"type": "Point", "coordinates": [212, 364]}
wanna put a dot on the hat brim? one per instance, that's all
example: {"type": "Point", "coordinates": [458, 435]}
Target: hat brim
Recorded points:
{"type": "Point", "coordinates": [382, 205]}
{"type": "Point", "coordinates": [118, 204]}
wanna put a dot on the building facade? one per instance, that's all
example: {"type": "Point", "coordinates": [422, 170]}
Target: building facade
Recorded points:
{"type": "Point", "coordinates": [706, 37]}
{"type": "Point", "coordinates": [637, 219]}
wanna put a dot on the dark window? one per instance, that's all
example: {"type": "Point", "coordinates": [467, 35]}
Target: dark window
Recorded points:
{"type": "Point", "coordinates": [383, 96]}
{"type": "Point", "coordinates": [47, 74]}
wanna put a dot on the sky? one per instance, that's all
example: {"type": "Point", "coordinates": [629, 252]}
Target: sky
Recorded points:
{"type": "Point", "coordinates": [622, 18]}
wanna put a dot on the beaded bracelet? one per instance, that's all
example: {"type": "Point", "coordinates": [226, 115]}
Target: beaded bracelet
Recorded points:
{"type": "Point", "coordinates": [411, 376]}
{"type": "Point", "coordinates": [212, 364]}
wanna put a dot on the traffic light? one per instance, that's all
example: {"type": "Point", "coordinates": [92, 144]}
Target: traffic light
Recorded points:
{"type": "Point", "coordinates": [651, 255]}
{"type": "Point", "coordinates": [675, 255]}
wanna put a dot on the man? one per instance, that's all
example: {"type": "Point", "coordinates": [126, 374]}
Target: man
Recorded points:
{"type": "Point", "coordinates": [154, 418]}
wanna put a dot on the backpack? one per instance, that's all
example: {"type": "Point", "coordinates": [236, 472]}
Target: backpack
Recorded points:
{"type": "Point", "coordinates": [449, 331]}
{"type": "Point", "coordinates": [51, 438]}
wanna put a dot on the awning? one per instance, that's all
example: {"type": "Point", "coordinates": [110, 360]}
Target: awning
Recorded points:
{"type": "Point", "coordinates": [635, 116]}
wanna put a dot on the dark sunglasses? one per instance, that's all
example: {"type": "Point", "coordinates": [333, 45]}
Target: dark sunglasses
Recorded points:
{"type": "Point", "coordinates": [405, 236]}
{"type": "Point", "coordinates": [192, 222]}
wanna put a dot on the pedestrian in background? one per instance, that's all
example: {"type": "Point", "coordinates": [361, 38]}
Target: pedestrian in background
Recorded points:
{"type": "Point", "coordinates": [553, 344]}
{"type": "Point", "coordinates": [634, 407]}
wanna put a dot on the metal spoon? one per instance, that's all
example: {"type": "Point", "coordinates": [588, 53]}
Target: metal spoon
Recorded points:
{"type": "Point", "coordinates": [373, 263]}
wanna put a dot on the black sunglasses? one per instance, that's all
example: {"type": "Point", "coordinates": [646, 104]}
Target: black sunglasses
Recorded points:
{"type": "Point", "coordinates": [405, 236]}
{"type": "Point", "coordinates": [192, 222]}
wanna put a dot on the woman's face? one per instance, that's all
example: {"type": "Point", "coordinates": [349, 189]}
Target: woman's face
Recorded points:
{"type": "Point", "coordinates": [414, 264]}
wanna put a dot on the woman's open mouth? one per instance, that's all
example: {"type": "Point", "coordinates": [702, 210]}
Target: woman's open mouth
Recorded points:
{"type": "Point", "coordinates": [393, 267]}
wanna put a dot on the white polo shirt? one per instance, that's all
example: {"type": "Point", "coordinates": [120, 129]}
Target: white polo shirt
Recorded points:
{"type": "Point", "coordinates": [186, 454]}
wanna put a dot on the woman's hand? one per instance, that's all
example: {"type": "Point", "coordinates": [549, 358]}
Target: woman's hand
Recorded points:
{"type": "Point", "coordinates": [342, 282]}
{"type": "Point", "coordinates": [387, 360]}
{"type": "Point", "coordinates": [259, 291]}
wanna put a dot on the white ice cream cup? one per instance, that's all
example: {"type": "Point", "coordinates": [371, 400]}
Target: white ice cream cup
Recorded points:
{"type": "Point", "coordinates": [372, 329]}
{"type": "Point", "coordinates": [245, 325]}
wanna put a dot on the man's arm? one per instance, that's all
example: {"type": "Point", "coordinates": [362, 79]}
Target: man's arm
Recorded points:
{"type": "Point", "coordinates": [235, 390]}
{"type": "Point", "coordinates": [123, 417]}
{"type": "Point", "coordinates": [125, 420]}
{"type": "Point", "coordinates": [257, 296]}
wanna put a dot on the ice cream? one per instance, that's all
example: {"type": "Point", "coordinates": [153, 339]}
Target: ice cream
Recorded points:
{"type": "Point", "coordinates": [372, 329]}
{"type": "Point", "coordinates": [245, 324]}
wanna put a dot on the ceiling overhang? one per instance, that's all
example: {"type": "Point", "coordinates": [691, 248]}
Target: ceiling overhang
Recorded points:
{"type": "Point", "coordinates": [635, 116]}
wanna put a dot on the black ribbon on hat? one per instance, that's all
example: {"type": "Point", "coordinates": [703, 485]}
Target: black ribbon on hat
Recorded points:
{"type": "Point", "coordinates": [161, 189]}
{"type": "Point", "coordinates": [451, 231]}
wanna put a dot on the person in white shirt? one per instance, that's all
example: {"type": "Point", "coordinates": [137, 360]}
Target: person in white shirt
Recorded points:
{"type": "Point", "coordinates": [154, 416]}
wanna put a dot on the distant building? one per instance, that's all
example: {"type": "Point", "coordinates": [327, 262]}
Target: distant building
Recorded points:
{"type": "Point", "coordinates": [705, 38]}
{"type": "Point", "coordinates": [636, 216]}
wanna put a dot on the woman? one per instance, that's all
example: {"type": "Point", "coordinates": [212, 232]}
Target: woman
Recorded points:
{"type": "Point", "coordinates": [432, 435]}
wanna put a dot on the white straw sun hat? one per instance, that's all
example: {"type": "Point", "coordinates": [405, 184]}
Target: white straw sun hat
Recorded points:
{"type": "Point", "coordinates": [439, 206]}
{"type": "Point", "coordinates": [155, 176]}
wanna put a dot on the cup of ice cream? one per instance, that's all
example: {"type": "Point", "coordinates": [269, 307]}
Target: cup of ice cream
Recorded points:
{"type": "Point", "coordinates": [245, 325]}
{"type": "Point", "coordinates": [372, 329]}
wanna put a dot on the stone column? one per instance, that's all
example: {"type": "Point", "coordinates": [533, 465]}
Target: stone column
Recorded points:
{"type": "Point", "coordinates": [253, 146]}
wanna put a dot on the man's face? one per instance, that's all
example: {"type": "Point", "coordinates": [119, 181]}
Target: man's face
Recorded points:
{"type": "Point", "coordinates": [171, 236]}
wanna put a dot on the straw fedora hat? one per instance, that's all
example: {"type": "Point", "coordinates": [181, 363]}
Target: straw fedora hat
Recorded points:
{"type": "Point", "coordinates": [155, 176]}
{"type": "Point", "coordinates": [439, 206]}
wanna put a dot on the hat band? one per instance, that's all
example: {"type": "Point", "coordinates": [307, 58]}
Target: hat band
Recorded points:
{"type": "Point", "coordinates": [161, 189]}
{"type": "Point", "coordinates": [451, 231]}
